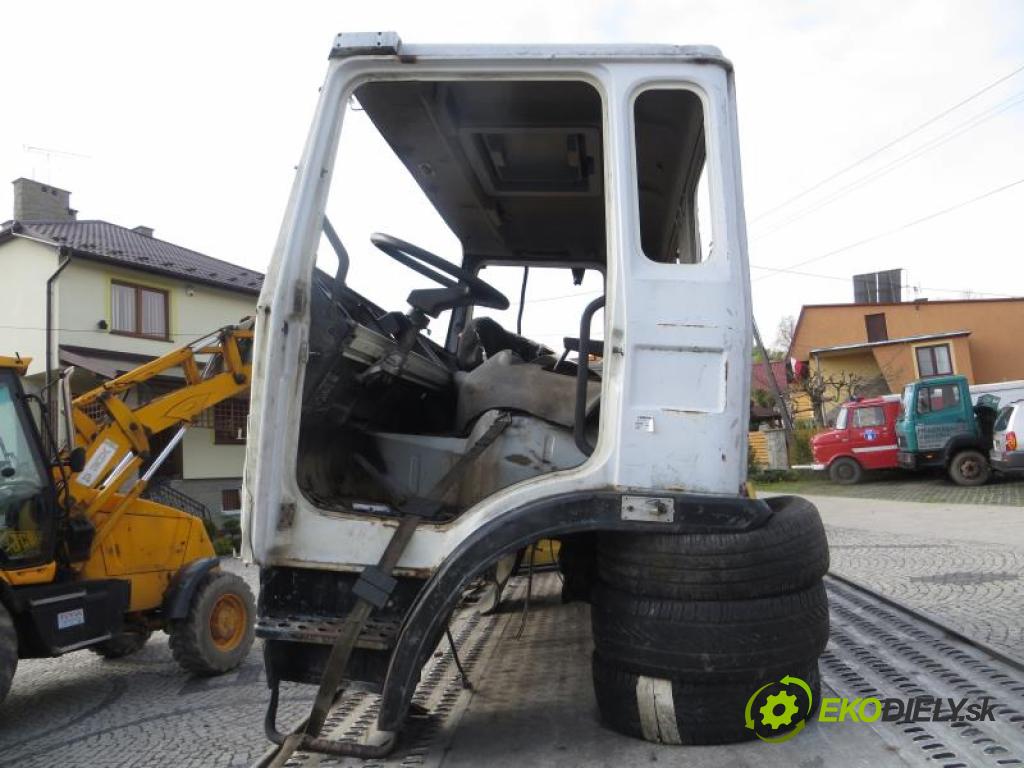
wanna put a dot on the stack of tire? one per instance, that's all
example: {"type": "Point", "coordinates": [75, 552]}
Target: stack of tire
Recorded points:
{"type": "Point", "coordinates": [688, 626]}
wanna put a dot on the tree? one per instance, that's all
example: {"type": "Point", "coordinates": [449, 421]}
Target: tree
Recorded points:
{"type": "Point", "coordinates": [823, 390]}
{"type": "Point", "coordinates": [784, 333]}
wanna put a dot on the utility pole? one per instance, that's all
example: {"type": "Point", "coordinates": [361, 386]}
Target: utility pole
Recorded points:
{"type": "Point", "coordinates": [787, 420]}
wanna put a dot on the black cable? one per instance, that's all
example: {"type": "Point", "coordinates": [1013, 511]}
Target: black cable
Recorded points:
{"type": "Point", "coordinates": [889, 144]}
{"type": "Point", "coordinates": [893, 231]}
{"type": "Point", "coordinates": [529, 593]}
{"type": "Point", "coordinates": [522, 302]}
{"type": "Point", "coordinates": [466, 685]}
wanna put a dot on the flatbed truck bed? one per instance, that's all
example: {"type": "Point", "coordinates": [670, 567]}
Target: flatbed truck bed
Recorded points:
{"type": "Point", "coordinates": [532, 701]}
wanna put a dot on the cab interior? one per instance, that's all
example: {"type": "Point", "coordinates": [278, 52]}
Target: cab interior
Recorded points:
{"type": "Point", "coordinates": [395, 419]}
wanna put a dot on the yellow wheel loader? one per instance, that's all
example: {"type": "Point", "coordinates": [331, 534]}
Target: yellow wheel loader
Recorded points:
{"type": "Point", "coordinates": [85, 562]}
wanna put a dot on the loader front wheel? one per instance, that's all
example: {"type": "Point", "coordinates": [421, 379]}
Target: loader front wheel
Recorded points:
{"type": "Point", "coordinates": [8, 652]}
{"type": "Point", "coordinates": [218, 632]}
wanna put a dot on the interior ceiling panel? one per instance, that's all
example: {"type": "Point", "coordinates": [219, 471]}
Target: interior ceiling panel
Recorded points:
{"type": "Point", "coordinates": [514, 168]}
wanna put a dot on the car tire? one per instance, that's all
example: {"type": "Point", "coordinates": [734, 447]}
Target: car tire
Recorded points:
{"type": "Point", "coordinates": [845, 471]}
{"type": "Point", "coordinates": [122, 644]}
{"type": "Point", "coordinates": [8, 652]}
{"type": "Point", "coordinates": [969, 468]}
{"type": "Point", "coordinates": [711, 641]}
{"type": "Point", "coordinates": [786, 554]}
{"type": "Point", "coordinates": [219, 630]}
{"type": "Point", "coordinates": [678, 711]}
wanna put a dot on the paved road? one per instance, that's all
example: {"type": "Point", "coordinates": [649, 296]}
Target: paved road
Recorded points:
{"type": "Point", "coordinates": [143, 712]}
{"type": "Point", "coordinates": [961, 563]}
{"type": "Point", "coordinates": [982, 523]}
{"type": "Point", "coordinates": [137, 712]}
{"type": "Point", "coordinates": [902, 486]}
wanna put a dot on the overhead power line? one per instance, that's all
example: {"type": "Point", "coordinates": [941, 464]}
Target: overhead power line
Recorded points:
{"type": "Point", "coordinates": [846, 279]}
{"type": "Point", "coordinates": [889, 144]}
{"type": "Point", "coordinates": [944, 138]}
{"type": "Point", "coordinates": [894, 230]}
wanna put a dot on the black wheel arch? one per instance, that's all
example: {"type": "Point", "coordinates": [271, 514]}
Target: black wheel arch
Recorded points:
{"type": "Point", "coordinates": [550, 517]}
{"type": "Point", "coordinates": [183, 585]}
{"type": "Point", "coordinates": [965, 442]}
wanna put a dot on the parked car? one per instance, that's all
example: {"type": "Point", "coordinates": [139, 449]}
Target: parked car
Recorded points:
{"type": "Point", "coordinates": [863, 438]}
{"type": "Point", "coordinates": [1007, 455]}
{"type": "Point", "coordinates": [947, 424]}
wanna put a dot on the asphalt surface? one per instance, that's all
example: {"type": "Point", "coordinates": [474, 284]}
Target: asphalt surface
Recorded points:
{"type": "Point", "coordinates": [144, 712]}
{"type": "Point", "coordinates": [898, 485]}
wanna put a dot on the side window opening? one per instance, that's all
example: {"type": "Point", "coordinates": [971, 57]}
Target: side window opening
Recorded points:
{"type": "Point", "coordinates": [872, 416]}
{"type": "Point", "coordinates": [553, 302]}
{"type": "Point", "coordinates": [937, 398]}
{"type": "Point", "coordinates": [672, 186]}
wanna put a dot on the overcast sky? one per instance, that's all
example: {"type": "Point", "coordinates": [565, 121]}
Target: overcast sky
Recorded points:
{"type": "Point", "coordinates": [189, 117]}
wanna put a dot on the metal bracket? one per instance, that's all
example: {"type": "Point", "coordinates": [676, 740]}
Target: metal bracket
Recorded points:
{"type": "Point", "coordinates": [654, 509]}
{"type": "Point", "coordinates": [365, 44]}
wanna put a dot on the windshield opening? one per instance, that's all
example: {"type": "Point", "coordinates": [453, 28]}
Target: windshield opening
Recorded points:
{"type": "Point", "coordinates": [842, 417]}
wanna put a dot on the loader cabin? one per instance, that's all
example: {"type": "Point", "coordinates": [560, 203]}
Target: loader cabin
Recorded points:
{"type": "Point", "coordinates": [396, 391]}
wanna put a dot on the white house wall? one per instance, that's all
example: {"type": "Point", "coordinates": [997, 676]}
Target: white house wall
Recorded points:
{"type": "Point", "coordinates": [84, 300]}
{"type": "Point", "coordinates": [26, 266]}
{"type": "Point", "coordinates": [202, 459]}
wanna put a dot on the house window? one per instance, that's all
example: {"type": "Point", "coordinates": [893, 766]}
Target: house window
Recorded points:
{"type": "Point", "coordinates": [934, 361]}
{"type": "Point", "coordinates": [875, 325]}
{"type": "Point", "coordinates": [230, 500]}
{"type": "Point", "coordinates": [136, 310]}
{"type": "Point", "coordinates": [230, 420]}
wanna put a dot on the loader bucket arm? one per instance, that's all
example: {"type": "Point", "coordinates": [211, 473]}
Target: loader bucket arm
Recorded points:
{"type": "Point", "coordinates": [117, 439]}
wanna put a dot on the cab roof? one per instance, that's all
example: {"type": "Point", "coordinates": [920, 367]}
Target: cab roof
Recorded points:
{"type": "Point", "coordinates": [389, 43]}
{"type": "Point", "coordinates": [516, 167]}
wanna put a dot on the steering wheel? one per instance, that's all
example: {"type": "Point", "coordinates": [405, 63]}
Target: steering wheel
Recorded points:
{"type": "Point", "coordinates": [464, 290]}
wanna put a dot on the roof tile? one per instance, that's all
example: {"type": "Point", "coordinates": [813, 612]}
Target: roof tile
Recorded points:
{"type": "Point", "coordinates": [119, 244]}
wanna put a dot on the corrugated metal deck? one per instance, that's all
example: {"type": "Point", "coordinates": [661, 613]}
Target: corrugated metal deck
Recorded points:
{"type": "Point", "coordinates": [532, 702]}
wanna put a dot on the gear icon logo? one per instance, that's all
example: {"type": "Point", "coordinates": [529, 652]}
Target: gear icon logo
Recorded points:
{"type": "Point", "coordinates": [783, 706]}
{"type": "Point", "coordinates": [778, 710]}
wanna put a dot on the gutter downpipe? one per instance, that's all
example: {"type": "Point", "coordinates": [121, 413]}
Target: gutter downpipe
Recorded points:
{"type": "Point", "coordinates": [50, 282]}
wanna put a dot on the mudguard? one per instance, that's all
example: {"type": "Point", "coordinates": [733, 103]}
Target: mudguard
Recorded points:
{"type": "Point", "coordinates": [183, 585]}
{"type": "Point", "coordinates": [551, 517]}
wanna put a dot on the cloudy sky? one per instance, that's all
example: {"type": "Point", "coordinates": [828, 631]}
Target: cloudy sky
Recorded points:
{"type": "Point", "coordinates": [189, 117]}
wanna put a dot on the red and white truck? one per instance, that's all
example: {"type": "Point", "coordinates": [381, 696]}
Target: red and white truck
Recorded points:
{"type": "Point", "coordinates": [863, 438]}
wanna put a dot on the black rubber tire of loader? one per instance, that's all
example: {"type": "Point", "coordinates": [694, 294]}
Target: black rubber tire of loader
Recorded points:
{"type": "Point", "coordinates": [702, 713]}
{"type": "Point", "coordinates": [786, 554]}
{"type": "Point", "coordinates": [8, 652]}
{"type": "Point", "coordinates": [192, 639]}
{"type": "Point", "coordinates": [710, 640]}
{"type": "Point", "coordinates": [122, 644]}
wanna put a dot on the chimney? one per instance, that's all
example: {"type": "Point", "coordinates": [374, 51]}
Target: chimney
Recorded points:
{"type": "Point", "coordinates": [34, 201]}
{"type": "Point", "coordinates": [147, 231]}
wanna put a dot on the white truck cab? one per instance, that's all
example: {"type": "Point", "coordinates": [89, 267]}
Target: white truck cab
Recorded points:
{"type": "Point", "coordinates": [621, 160]}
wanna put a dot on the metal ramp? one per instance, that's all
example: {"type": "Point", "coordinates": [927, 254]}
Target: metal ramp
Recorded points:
{"type": "Point", "coordinates": [532, 702]}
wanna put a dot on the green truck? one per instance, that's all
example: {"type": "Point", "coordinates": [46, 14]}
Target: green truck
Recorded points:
{"type": "Point", "coordinates": [945, 423]}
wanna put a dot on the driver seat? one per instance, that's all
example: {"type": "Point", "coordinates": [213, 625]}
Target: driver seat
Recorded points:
{"type": "Point", "coordinates": [483, 338]}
